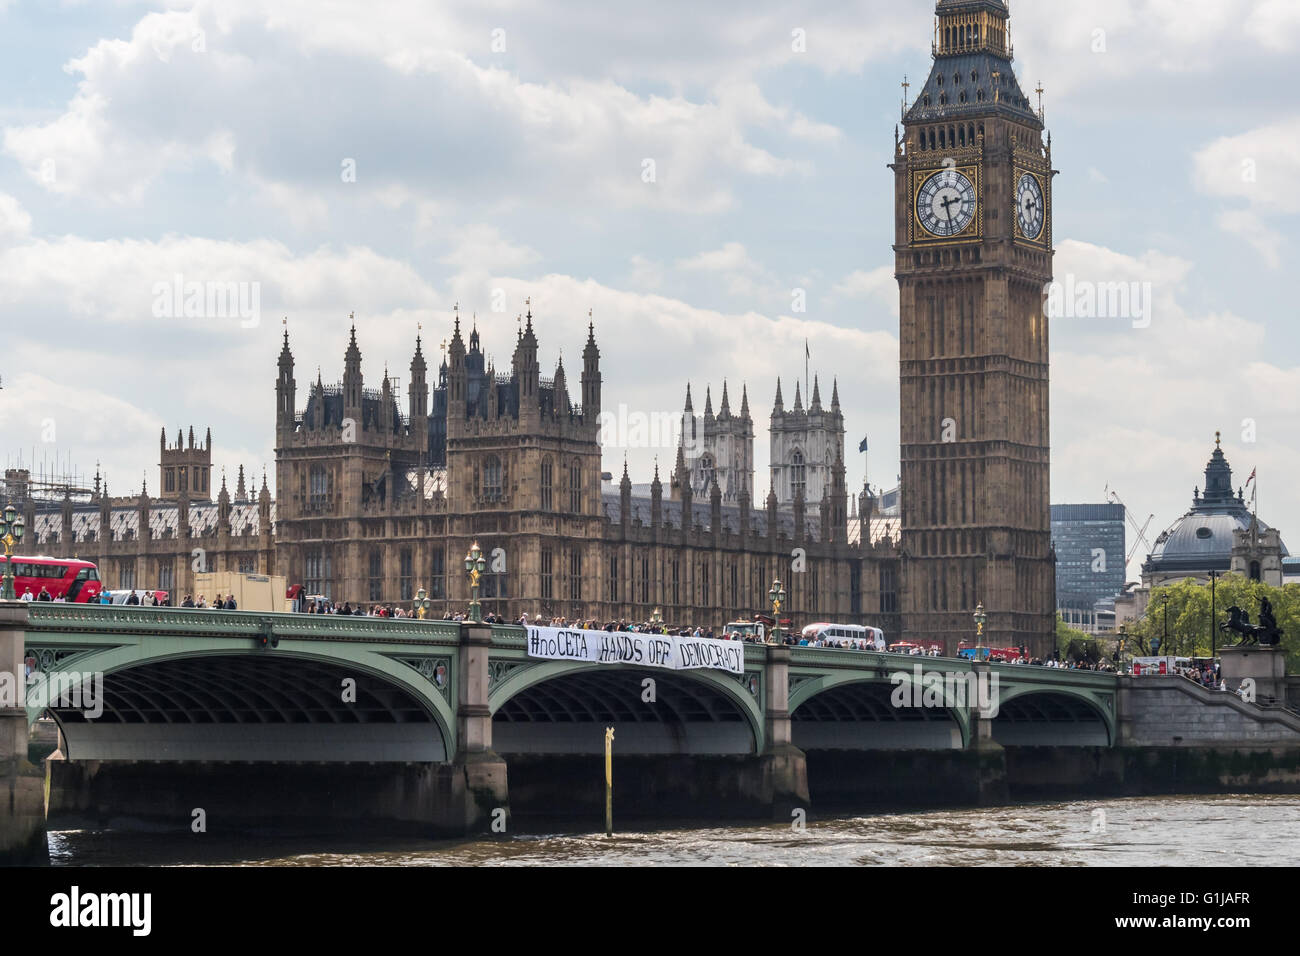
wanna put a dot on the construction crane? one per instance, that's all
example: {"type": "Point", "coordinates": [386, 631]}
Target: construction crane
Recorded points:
{"type": "Point", "coordinates": [1141, 530]}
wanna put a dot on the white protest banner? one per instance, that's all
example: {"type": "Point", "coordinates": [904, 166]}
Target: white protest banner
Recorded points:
{"type": "Point", "coordinates": [629, 647]}
{"type": "Point", "coordinates": [695, 652]}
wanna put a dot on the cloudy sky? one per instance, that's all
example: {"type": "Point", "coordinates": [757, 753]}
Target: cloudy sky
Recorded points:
{"type": "Point", "coordinates": [679, 169]}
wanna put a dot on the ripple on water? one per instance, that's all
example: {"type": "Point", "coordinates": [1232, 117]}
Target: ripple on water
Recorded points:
{"type": "Point", "coordinates": [1232, 830]}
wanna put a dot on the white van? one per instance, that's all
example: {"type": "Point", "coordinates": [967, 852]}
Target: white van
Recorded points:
{"type": "Point", "coordinates": [873, 637]}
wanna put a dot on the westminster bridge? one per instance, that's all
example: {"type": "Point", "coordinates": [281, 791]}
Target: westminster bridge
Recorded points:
{"type": "Point", "coordinates": [268, 717]}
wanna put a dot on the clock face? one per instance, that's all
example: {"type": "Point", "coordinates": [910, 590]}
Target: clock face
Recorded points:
{"type": "Point", "coordinates": [945, 204]}
{"type": "Point", "coordinates": [1029, 206]}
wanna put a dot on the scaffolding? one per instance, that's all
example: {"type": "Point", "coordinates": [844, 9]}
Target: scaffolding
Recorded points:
{"type": "Point", "coordinates": [50, 484]}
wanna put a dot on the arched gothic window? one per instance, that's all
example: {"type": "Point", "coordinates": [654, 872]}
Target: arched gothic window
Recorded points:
{"type": "Point", "coordinates": [492, 478]}
{"type": "Point", "coordinates": [547, 485]}
{"type": "Point", "coordinates": [575, 486]}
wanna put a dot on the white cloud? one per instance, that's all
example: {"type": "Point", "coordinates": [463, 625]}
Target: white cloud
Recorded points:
{"type": "Point", "coordinates": [1250, 228]}
{"type": "Point", "coordinates": [1138, 407]}
{"type": "Point", "coordinates": [875, 285]}
{"type": "Point", "coordinates": [646, 273]}
{"type": "Point", "coordinates": [15, 221]}
{"type": "Point", "coordinates": [153, 104]}
{"type": "Point", "coordinates": [1259, 167]}
{"type": "Point", "coordinates": [1274, 24]}
{"type": "Point", "coordinates": [482, 248]}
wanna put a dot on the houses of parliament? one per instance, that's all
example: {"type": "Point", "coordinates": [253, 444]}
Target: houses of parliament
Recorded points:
{"type": "Point", "coordinates": [379, 494]}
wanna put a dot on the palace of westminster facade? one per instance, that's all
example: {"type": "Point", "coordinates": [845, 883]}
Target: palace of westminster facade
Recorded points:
{"type": "Point", "coordinates": [373, 503]}
{"type": "Point", "coordinates": [377, 497]}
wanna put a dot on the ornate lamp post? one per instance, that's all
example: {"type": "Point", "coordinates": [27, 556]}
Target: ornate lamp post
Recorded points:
{"type": "Point", "coordinates": [420, 604]}
{"type": "Point", "coordinates": [980, 619]}
{"type": "Point", "coordinates": [656, 617]}
{"type": "Point", "coordinates": [777, 597]}
{"type": "Point", "coordinates": [1119, 647]}
{"type": "Point", "coordinates": [475, 565]}
{"type": "Point", "coordinates": [1214, 613]}
{"type": "Point", "coordinates": [11, 532]}
{"type": "Point", "coordinates": [1164, 602]}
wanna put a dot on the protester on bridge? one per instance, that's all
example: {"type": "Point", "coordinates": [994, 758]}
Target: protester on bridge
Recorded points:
{"type": "Point", "coordinates": [188, 602]}
{"type": "Point", "coordinates": [133, 598]}
{"type": "Point", "coordinates": [148, 599]}
{"type": "Point", "coordinates": [27, 594]}
{"type": "Point", "coordinates": [230, 603]}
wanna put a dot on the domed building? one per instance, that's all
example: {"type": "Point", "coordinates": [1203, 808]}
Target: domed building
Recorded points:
{"type": "Point", "coordinates": [1219, 533]}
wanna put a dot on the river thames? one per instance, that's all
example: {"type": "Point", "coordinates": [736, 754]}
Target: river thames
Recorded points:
{"type": "Point", "coordinates": [1218, 830]}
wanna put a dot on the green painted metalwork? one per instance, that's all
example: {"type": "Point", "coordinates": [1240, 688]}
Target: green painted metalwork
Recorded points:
{"type": "Point", "coordinates": [415, 655]}
{"type": "Point", "coordinates": [109, 639]}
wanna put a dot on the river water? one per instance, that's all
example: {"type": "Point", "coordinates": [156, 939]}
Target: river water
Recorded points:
{"type": "Point", "coordinates": [1220, 830]}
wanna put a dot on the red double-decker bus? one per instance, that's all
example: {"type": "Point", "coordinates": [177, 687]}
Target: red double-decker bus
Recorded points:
{"type": "Point", "coordinates": [72, 579]}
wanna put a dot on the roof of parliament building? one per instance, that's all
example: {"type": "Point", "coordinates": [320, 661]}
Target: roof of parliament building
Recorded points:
{"type": "Point", "coordinates": [1201, 540]}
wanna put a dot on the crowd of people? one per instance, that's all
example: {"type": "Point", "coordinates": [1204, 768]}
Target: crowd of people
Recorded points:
{"type": "Point", "coordinates": [1206, 674]}
{"type": "Point", "coordinates": [323, 606]}
{"type": "Point", "coordinates": [1073, 665]}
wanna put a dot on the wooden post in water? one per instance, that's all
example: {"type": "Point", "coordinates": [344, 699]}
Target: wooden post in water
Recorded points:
{"type": "Point", "coordinates": [609, 781]}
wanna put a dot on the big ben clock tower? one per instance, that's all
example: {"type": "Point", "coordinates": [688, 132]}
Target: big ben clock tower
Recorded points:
{"type": "Point", "coordinates": [973, 210]}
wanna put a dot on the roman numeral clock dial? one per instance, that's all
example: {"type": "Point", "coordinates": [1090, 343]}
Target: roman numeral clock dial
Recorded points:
{"type": "Point", "coordinates": [945, 203]}
{"type": "Point", "coordinates": [1029, 206]}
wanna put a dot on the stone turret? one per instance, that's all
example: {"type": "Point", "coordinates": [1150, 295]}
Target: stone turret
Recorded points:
{"type": "Point", "coordinates": [286, 388]}
{"type": "Point", "coordinates": [656, 502]}
{"type": "Point", "coordinates": [353, 383]}
{"type": "Point", "coordinates": [591, 376]}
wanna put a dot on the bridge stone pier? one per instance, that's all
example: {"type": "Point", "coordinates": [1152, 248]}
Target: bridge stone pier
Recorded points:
{"type": "Point", "coordinates": [22, 785]}
{"type": "Point", "coordinates": [250, 720]}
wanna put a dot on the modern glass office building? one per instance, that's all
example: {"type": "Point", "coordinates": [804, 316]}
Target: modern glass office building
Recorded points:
{"type": "Point", "coordinates": [1089, 542]}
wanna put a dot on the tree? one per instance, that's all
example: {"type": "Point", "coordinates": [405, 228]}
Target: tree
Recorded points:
{"type": "Point", "coordinates": [1187, 603]}
{"type": "Point", "coordinates": [1066, 635]}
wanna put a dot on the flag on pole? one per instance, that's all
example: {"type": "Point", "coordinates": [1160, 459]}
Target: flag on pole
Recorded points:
{"type": "Point", "coordinates": [1251, 478]}
{"type": "Point", "coordinates": [863, 447]}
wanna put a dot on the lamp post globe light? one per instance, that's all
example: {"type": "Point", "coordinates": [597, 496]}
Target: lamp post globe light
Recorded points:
{"type": "Point", "coordinates": [11, 533]}
{"type": "Point", "coordinates": [980, 619]}
{"type": "Point", "coordinates": [777, 597]}
{"type": "Point", "coordinates": [420, 604]}
{"type": "Point", "coordinates": [475, 566]}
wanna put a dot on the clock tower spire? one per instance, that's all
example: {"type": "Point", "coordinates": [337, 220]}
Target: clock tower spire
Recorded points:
{"type": "Point", "coordinates": [973, 255]}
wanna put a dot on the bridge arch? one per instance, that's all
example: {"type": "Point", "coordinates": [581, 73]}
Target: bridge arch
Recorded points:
{"type": "Point", "coordinates": [556, 706]}
{"type": "Point", "coordinates": [1056, 716]}
{"type": "Point", "coordinates": [233, 702]}
{"type": "Point", "coordinates": [847, 710]}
